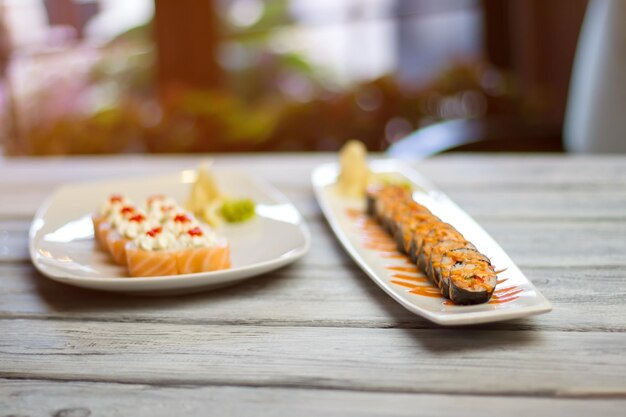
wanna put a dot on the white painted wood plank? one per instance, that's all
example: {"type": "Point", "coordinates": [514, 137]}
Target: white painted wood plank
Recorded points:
{"type": "Point", "coordinates": [487, 203]}
{"type": "Point", "coordinates": [465, 170]}
{"type": "Point", "coordinates": [549, 243]}
{"type": "Point", "coordinates": [40, 398]}
{"type": "Point", "coordinates": [583, 299]}
{"type": "Point", "coordinates": [535, 187]}
{"type": "Point", "coordinates": [465, 360]}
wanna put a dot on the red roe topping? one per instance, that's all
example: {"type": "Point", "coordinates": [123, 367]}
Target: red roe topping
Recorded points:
{"type": "Point", "coordinates": [196, 231]}
{"type": "Point", "coordinates": [154, 232]}
{"type": "Point", "coordinates": [137, 218]}
{"type": "Point", "coordinates": [165, 209]}
{"type": "Point", "coordinates": [127, 210]}
{"type": "Point", "coordinates": [115, 198]}
{"type": "Point", "coordinates": [182, 218]}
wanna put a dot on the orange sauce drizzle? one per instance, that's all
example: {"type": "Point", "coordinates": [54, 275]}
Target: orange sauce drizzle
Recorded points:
{"type": "Point", "coordinates": [376, 238]}
{"type": "Point", "coordinates": [411, 278]}
{"type": "Point", "coordinates": [400, 268]}
{"type": "Point", "coordinates": [394, 255]}
{"type": "Point", "coordinates": [429, 291]}
{"type": "Point", "coordinates": [507, 292]}
{"type": "Point", "coordinates": [404, 284]}
{"type": "Point", "coordinates": [495, 300]}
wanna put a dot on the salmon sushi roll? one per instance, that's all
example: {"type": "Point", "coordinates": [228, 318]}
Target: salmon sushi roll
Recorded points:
{"type": "Point", "coordinates": [116, 244]}
{"type": "Point", "coordinates": [128, 228]}
{"type": "Point", "coordinates": [98, 221]}
{"type": "Point", "coordinates": [151, 254]}
{"type": "Point", "coordinates": [205, 259]}
{"type": "Point", "coordinates": [145, 263]}
{"type": "Point", "coordinates": [202, 251]}
{"type": "Point", "coordinates": [112, 205]}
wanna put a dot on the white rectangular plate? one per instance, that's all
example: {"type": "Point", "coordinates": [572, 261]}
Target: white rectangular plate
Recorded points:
{"type": "Point", "coordinates": [514, 296]}
{"type": "Point", "coordinates": [62, 244]}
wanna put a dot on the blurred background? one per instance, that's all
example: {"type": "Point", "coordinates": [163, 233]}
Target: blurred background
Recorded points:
{"type": "Point", "coordinates": [159, 76]}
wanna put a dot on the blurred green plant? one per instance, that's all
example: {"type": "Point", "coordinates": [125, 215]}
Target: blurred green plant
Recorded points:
{"type": "Point", "coordinates": [275, 100]}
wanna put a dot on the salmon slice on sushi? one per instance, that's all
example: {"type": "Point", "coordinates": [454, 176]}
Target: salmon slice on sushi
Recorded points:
{"type": "Point", "coordinates": [202, 253]}
{"type": "Point", "coordinates": [101, 220]}
{"type": "Point", "coordinates": [152, 254]}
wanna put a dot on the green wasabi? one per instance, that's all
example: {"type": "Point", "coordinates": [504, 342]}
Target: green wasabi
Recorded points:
{"type": "Point", "coordinates": [237, 211]}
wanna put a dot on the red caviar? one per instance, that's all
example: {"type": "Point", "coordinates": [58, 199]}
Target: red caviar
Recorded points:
{"type": "Point", "coordinates": [154, 232]}
{"type": "Point", "coordinates": [127, 209]}
{"type": "Point", "coordinates": [182, 218]}
{"type": "Point", "coordinates": [196, 231]}
{"type": "Point", "coordinates": [137, 218]}
{"type": "Point", "coordinates": [115, 198]}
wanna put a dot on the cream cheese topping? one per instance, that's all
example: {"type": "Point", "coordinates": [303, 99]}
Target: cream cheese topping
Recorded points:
{"type": "Point", "coordinates": [136, 225]}
{"type": "Point", "coordinates": [121, 214]}
{"type": "Point", "coordinates": [113, 204]}
{"type": "Point", "coordinates": [156, 239]}
{"type": "Point", "coordinates": [198, 237]}
{"type": "Point", "coordinates": [179, 222]}
{"type": "Point", "coordinates": [160, 207]}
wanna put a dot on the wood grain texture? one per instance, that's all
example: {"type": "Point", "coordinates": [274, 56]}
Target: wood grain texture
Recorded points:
{"type": "Point", "coordinates": [318, 337]}
{"type": "Point", "coordinates": [335, 297]}
{"type": "Point", "coordinates": [530, 243]}
{"type": "Point", "coordinates": [40, 398]}
{"type": "Point", "coordinates": [518, 362]}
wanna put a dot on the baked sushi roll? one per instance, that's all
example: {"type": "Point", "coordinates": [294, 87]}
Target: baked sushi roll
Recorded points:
{"type": "Point", "coordinates": [443, 266]}
{"type": "Point", "coordinates": [462, 273]}
{"type": "Point", "coordinates": [471, 282]}
{"type": "Point", "coordinates": [443, 231]}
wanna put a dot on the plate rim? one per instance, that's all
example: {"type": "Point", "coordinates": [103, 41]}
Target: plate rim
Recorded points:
{"type": "Point", "coordinates": [242, 272]}
{"type": "Point", "coordinates": [469, 318]}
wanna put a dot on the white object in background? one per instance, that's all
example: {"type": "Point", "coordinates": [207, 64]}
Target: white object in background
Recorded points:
{"type": "Point", "coordinates": [596, 110]}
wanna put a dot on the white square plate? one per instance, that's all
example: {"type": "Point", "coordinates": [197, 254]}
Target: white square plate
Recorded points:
{"type": "Point", "coordinates": [62, 244]}
{"type": "Point", "coordinates": [514, 296]}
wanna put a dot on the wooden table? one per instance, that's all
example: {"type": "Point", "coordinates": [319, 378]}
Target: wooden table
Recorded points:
{"type": "Point", "coordinates": [318, 337]}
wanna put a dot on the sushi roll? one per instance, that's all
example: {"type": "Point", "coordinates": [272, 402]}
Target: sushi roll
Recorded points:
{"type": "Point", "coordinates": [433, 265]}
{"type": "Point", "coordinates": [442, 269]}
{"type": "Point", "coordinates": [127, 228]}
{"type": "Point", "coordinates": [471, 282]}
{"type": "Point", "coordinates": [202, 251]}
{"type": "Point", "coordinates": [462, 273]}
{"type": "Point", "coordinates": [420, 231]}
{"type": "Point", "coordinates": [101, 219]}
{"type": "Point", "coordinates": [151, 254]}
{"type": "Point", "coordinates": [443, 231]}
{"type": "Point", "coordinates": [158, 238]}
{"type": "Point", "coordinates": [160, 252]}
